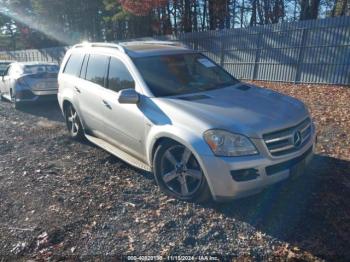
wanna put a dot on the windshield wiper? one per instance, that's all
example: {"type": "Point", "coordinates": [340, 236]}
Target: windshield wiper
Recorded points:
{"type": "Point", "coordinates": [223, 85]}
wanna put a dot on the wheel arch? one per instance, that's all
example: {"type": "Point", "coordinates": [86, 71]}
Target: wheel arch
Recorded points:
{"type": "Point", "coordinates": [192, 142]}
{"type": "Point", "coordinates": [66, 102]}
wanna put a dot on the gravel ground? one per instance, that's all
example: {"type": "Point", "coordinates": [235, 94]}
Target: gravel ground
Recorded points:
{"type": "Point", "coordinates": [64, 199]}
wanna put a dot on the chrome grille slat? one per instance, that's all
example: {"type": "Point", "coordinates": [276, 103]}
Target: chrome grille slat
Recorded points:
{"type": "Point", "coordinates": [281, 149]}
{"type": "Point", "coordinates": [281, 142]}
{"type": "Point", "coordinates": [303, 129]}
{"type": "Point", "coordinates": [278, 139]}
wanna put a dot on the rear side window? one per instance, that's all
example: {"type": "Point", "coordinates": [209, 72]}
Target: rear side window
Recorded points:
{"type": "Point", "coordinates": [96, 69]}
{"type": "Point", "coordinates": [73, 65]}
{"type": "Point", "coordinates": [118, 76]}
{"type": "Point", "coordinates": [83, 68]}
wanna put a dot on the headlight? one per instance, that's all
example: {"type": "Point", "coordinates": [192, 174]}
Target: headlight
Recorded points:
{"type": "Point", "coordinates": [224, 143]}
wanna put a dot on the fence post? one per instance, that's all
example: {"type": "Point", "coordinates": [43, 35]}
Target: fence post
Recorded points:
{"type": "Point", "coordinates": [257, 56]}
{"type": "Point", "coordinates": [300, 55]}
{"type": "Point", "coordinates": [222, 49]}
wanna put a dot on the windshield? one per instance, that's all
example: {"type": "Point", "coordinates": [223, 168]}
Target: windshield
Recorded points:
{"type": "Point", "coordinates": [3, 67]}
{"type": "Point", "coordinates": [179, 74]}
{"type": "Point", "coordinates": [35, 69]}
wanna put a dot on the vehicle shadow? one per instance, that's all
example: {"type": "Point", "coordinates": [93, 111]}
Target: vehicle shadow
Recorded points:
{"type": "Point", "coordinates": [47, 109]}
{"type": "Point", "coordinates": [311, 212]}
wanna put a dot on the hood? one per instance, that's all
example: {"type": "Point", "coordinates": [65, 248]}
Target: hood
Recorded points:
{"type": "Point", "coordinates": [243, 109]}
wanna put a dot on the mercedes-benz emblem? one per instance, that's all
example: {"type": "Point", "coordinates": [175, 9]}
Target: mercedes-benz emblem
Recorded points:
{"type": "Point", "coordinates": [297, 139]}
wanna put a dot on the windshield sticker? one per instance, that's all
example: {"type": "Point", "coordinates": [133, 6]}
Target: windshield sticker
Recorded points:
{"type": "Point", "coordinates": [206, 62]}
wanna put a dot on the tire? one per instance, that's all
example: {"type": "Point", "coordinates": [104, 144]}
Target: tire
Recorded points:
{"type": "Point", "coordinates": [18, 105]}
{"type": "Point", "coordinates": [73, 123]}
{"type": "Point", "coordinates": [178, 173]}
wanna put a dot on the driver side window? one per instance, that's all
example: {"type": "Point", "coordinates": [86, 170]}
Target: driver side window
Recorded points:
{"type": "Point", "coordinates": [7, 70]}
{"type": "Point", "coordinates": [119, 77]}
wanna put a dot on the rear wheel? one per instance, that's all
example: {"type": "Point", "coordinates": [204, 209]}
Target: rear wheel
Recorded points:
{"type": "Point", "coordinates": [179, 174]}
{"type": "Point", "coordinates": [73, 123]}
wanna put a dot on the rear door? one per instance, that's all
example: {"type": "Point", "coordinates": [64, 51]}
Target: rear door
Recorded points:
{"type": "Point", "coordinates": [71, 80]}
{"type": "Point", "coordinates": [90, 90]}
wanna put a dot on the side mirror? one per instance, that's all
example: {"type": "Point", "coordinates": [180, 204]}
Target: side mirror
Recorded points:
{"type": "Point", "coordinates": [128, 96]}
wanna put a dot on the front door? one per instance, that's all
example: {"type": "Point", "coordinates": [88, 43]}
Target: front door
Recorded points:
{"type": "Point", "coordinates": [125, 123]}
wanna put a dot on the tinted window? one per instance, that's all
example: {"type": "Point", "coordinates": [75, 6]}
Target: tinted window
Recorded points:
{"type": "Point", "coordinates": [74, 64]}
{"type": "Point", "coordinates": [34, 69]}
{"type": "Point", "coordinates": [3, 67]}
{"type": "Point", "coordinates": [96, 69]}
{"type": "Point", "coordinates": [168, 75]}
{"type": "Point", "coordinates": [6, 72]}
{"type": "Point", "coordinates": [118, 76]}
{"type": "Point", "coordinates": [83, 68]}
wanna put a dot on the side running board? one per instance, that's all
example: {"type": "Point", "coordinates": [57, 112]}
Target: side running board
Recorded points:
{"type": "Point", "coordinates": [118, 153]}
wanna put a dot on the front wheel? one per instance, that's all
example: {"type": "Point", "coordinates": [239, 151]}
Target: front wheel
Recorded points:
{"type": "Point", "coordinates": [15, 103]}
{"type": "Point", "coordinates": [179, 174]}
{"type": "Point", "coordinates": [73, 123]}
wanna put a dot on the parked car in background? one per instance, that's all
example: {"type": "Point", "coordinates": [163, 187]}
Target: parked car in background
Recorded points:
{"type": "Point", "coordinates": [24, 82]}
{"type": "Point", "coordinates": [171, 110]}
{"type": "Point", "coordinates": [3, 65]}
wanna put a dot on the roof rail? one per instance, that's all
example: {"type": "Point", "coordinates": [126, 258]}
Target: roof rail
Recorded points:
{"type": "Point", "coordinates": [153, 42]}
{"type": "Point", "coordinates": [121, 46]}
{"type": "Point", "coordinates": [107, 45]}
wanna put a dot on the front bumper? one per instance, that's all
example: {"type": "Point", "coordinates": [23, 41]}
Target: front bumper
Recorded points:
{"type": "Point", "coordinates": [262, 170]}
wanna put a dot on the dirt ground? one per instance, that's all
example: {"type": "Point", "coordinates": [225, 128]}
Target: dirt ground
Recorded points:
{"type": "Point", "coordinates": [62, 199]}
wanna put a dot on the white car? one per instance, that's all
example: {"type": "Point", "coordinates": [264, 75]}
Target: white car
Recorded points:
{"type": "Point", "coordinates": [171, 110]}
{"type": "Point", "coordinates": [24, 82]}
{"type": "Point", "coordinates": [4, 65]}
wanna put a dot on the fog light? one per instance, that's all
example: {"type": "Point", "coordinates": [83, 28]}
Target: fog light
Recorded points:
{"type": "Point", "coordinates": [244, 174]}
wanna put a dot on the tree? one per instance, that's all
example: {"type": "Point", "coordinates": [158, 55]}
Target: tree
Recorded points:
{"type": "Point", "coordinates": [309, 9]}
{"type": "Point", "coordinates": [341, 7]}
{"type": "Point", "coordinates": [8, 29]}
{"type": "Point", "coordinates": [44, 23]}
{"type": "Point", "coordinates": [141, 8]}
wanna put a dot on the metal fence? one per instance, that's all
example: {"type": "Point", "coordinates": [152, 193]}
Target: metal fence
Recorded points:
{"type": "Point", "coordinates": [315, 51]}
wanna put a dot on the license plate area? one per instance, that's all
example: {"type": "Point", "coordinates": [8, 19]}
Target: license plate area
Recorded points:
{"type": "Point", "coordinates": [298, 168]}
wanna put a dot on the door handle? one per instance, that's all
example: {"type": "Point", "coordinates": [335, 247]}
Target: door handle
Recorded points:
{"type": "Point", "coordinates": [77, 89]}
{"type": "Point", "coordinates": [106, 104]}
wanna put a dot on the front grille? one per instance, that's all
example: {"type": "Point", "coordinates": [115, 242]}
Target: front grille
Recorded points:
{"type": "Point", "coordinates": [274, 169]}
{"type": "Point", "coordinates": [288, 140]}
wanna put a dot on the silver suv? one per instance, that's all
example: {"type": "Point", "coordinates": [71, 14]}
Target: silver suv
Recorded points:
{"type": "Point", "coordinates": [167, 109]}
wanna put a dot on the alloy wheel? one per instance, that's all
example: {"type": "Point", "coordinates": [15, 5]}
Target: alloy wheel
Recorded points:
{"type": "Point", "coordinates": [180, 171]}
{"type": "Point", "coordinates": [72, 121]}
